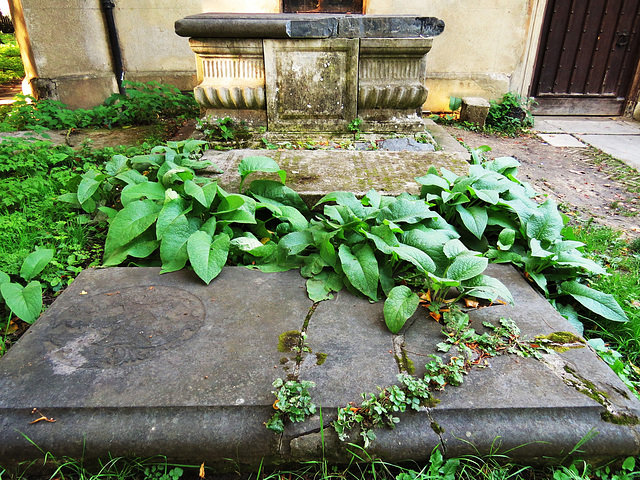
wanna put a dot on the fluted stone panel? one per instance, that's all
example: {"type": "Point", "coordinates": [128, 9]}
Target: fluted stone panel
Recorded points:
{"type": "Point", "coordinates": [231, 73]}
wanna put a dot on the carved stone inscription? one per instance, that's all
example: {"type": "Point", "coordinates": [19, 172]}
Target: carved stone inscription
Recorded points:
{"type": "Point", "coordinates": [136, 323]}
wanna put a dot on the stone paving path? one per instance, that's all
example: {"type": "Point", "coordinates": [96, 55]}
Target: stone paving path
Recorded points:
{"type": "Point", "coordinates": [619, 137]}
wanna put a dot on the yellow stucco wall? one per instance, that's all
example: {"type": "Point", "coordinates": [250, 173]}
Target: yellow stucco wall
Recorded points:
{"type": "Point", "coordinates": [482, 51]}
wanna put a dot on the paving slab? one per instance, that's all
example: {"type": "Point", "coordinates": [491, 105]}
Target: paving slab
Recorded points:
{"type": "Point", "coordinates": [130, 362]}
{"type": "Point", "coordinates": [586, 125]}
{"type": "Point", "coordinates": [314, 173]}
{"type": "Point", "coordinates": [622, 147]}
{"type": "Point", "coordinates": [561, 140]}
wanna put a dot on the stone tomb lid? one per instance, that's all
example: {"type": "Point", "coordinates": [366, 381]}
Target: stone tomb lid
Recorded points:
{"type": "Point", "coordinates": [130, 362]}
{"type": "Point", "coordinates": [300, 26]}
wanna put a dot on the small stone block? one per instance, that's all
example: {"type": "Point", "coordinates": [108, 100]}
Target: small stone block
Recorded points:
{"type": "Point", "coordinates": [474, 110]}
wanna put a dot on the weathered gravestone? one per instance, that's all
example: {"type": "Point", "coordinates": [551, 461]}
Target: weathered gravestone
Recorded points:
{"type": "Point", "coordinates": [312, 72]}
{"type": "Point", "coordinates": [129, 362]}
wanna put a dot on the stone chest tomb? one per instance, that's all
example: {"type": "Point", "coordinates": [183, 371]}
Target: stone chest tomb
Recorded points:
{"type": "Point", "coordinates": [312, 72]}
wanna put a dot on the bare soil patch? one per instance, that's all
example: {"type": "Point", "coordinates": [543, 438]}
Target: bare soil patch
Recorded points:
{"type": "Point", "coordinates": [584, 182]}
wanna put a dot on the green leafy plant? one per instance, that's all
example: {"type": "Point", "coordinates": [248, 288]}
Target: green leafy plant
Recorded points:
{"type": "Point", "coordinates": [293, 402]}
{"type": "Point", "coordinates": [225, 130]}
{"type": "Point", "coordinates": [142, 104]}
{"type": "Point", "coordinates": [11, 68]}
{"type": "Point", "coordinates": [354, 127]}
{"type": "Point", "coordinates": [511, 115]}
{"type": "Point", "coordinates": [496, 213]}
{"type": "Point", "coordinates": [25, 301]}
{"type": "Point", "coordinates": [378, 411]}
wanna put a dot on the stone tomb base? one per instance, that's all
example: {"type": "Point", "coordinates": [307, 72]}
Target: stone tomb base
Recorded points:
{"type": "Point", "coordinates": [131, 363]}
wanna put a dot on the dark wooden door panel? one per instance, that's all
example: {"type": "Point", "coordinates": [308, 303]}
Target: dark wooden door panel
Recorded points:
{"type": "Point", "coordinates": [589, 50]}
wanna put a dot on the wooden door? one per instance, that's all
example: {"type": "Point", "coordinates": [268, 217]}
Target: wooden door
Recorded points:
{"type": "Point", "coordinates": [587, 57]}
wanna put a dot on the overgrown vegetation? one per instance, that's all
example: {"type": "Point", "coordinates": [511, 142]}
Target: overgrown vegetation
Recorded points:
{"type": "Point", "coordinates": [511, 116]}
{"type": "Point", "coordinates": [142, 104]}
{"type": "Point", "coordinates": [11, 69]}
{"type": "Point", "coordinates": [493, 466]}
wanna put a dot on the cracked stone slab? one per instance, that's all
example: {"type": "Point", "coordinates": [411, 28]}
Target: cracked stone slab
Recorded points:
{"type": "Point", "coordinates": [129, 362]}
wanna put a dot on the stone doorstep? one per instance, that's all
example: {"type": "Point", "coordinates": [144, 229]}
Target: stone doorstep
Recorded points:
{"type": "Point", "coordinates": [129, 362]}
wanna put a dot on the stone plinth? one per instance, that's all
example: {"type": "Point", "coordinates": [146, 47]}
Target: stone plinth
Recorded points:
{"type": "Point", "coordinates": [293, 73]}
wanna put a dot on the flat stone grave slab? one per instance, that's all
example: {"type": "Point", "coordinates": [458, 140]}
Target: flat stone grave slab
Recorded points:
{"type": "Point", "coordinates": [314, 173]}
{"type": "Point", "coordinates": [128, 362]}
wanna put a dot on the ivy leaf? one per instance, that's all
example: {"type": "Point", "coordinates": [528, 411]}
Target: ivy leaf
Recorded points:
{"type": "Point", "coordinates": [203, 195]}
{"type": "Point", "coordinates": [35, 263]}
{"type": "Point", "coordinates": [361, 269]}
{"type": "Point", "coordinates": [208, 255]}
{"type": "Point", "coordinates": [25, 302]}
{"type": "Point", "coordinates": [601, 303]}
{"type": "Point", "coordinates": [474, 218]}
{"type": "Point", "coordinates": [399, 306]}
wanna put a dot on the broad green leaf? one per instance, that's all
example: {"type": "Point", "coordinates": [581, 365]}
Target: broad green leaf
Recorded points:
{"type": "Point", "coordinates": [465, 267]}
{"type": "Point", "coordinates": [4, 278]}
{"type": "Point", "coordinates": [448, 175]}
{"type": "Point", "coordinates": [455, 247]}
{"type": "Point", "coordinates": [229, 203]}
{"type": "Point", "coordinates": [253, 246]}
{"type": "Point", "coordinates": [71, 198]}
{"type": "Point", "coordinates": [372, 199]}
{"type": "Point", "coordinates": [25, 302]}
{"type": "Point", "coordinates": [431, 242]}
{"type": "Point", "coordinates": [474, 218]}
{"type": "Point", "coordinates": [506, 238]}
{"type": "Point", "coordinates": [346, 199]}
{"type": "Point", "coordinates": [35, 263]}
{"type": "Point", "coordinates": [405, 211]}
{"type": "Point", "coordinates": [246, 213]}
{"type": "Point", "coordinates": [538, 251]}
{"type": "Point", "coordinates": [321, 286]}
{"type": "Point", "coordinates": [328, 252]}
{"type": "Point", "coordinates": [545, 223]}
{"type": "Point", "coordinates": [203, 195]}
{"type": "Point", "coordinates": [132, 177]}
{"type": "Point", "coordinates": [169, 212]}
{"type": "Point", "coordinates": [575, 259]}
{"type": "Point", "coordinates": [173, 247]}
{"type": "Point", "coordinates": [130, 222]}
{"type": "Point", "coordinates": [484, 286]}
{"type": "Point", "coordinates": [568, 312]}
{"type": "Point", "coordinates": [116, 165]}
{"type": "Point", "coordinates": [109, 212]}
{"type": "Point", "coordinates": [415, 256]}
{"type": "Point", "coordinates": [150, 190]}
{"type": "Point", "coordinates": [250, 165]}
{"type": "Point", "coordinates": [276, 193]}
{"type": "Point", "coordinates": [141, 246]}
{"type": "Point", "coordinates": [207, 255]}
{"type": "Point", "coordinates": [598, 302]}
{"type": "Point", "coordinates": [88, 186]}
{"type": "Point", "coordinates": [361, 269]}
{"type": "Point", "coordinates": [296, 242]}
{"type": "Point", "coordinates": [399, 306]}
{"type": "Point", "coordinates": [489, 196]}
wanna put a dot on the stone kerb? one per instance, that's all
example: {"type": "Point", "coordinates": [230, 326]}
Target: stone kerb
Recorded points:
{"type": "Point", "coordinates": [312, 72]}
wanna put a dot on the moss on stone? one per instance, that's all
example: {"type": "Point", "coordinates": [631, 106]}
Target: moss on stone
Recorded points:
{"type": "Point", "coordinates": [287, 341]}
{"type": "Point", "coordinates": [619, 418]}
{"type": "Point", "coordinates": [320, 358]}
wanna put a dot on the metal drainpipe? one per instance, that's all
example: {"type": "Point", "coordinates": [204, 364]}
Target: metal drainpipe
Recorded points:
{"type": "Point", "coordinates": [114, 43]}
